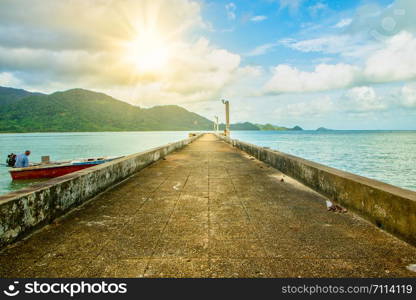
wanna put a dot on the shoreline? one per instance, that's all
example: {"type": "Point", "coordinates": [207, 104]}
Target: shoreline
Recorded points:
{"type": "Point", "coordinates": [297, 131]}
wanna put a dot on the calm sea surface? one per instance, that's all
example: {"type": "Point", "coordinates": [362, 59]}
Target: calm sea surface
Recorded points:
{"type": "Point", "coordinates": [389, 156]}
{"type": "Point", "coordinates": [73, 145]}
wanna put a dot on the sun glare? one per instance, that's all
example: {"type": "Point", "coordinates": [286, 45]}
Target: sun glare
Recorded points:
{"type": "Point", "coordinates": [148, 52]}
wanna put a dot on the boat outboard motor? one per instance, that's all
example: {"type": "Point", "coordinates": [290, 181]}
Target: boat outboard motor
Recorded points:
{"type": "Point", "coordinates": [11, 160]}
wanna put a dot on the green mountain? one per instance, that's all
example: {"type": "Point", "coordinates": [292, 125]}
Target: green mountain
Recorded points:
{"type": "Point", "coordinates": [10, 95]}
{"type": "Point", "coordinates": [82, 110]}
{"type": "Point", "coordinates": [277, 128]}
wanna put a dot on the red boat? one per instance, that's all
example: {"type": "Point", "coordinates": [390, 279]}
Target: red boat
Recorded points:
{"type": "Point", "coordinates": [53, 170]}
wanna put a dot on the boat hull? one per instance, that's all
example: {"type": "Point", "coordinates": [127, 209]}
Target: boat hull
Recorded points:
{"type": "Point", "coordinates": [49, 172]}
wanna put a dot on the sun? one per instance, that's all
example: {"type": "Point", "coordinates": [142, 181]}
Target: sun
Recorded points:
{"type": "Point", "coordinates": [148, 52]}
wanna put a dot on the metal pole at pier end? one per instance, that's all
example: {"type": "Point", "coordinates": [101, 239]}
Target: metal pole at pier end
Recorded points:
{"type": "Point", "coordinates": [216, 126]}
{"type": "Point", "coordinates": [227, 117]}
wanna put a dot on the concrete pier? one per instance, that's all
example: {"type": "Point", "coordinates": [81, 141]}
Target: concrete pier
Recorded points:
{"type": "Point", "coordinates": [208, 210]}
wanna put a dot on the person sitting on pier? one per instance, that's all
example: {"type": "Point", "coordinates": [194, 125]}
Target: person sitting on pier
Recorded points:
{"type": "Point", "coordinates": [22, 160]}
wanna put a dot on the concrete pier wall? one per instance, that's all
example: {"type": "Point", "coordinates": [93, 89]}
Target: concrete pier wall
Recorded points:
{"type": "Point", "coordinates": [23, 211]}
{"type": "Point", "coordinates": [389, 207]}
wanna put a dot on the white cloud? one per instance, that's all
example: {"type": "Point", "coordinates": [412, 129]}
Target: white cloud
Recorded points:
{"type": "Point", "coordinates": [408, 96]}
{"type": "Point", "coordinates": [262, 49]}
{"type": "Point", "coordinates": [292, 5]}
{"type": "Point", "coordinates": [323, 60]}
{"type": "Point", "coordinates": [92, 25]}
{"type": "Point", "coordinates": [328, 44]}
{"type": "Point", "coordinates": [343, 23]}
{"type": "Point", "coordinates": [359, 102]}
{"type": "Point", "coordinates": [316, 8]}
{"type": "Point", "coordinates": [381, 22]}
{"type": "Point", "coordinates": [258, 18]}
{"type": "Point", "coordinates": [314, 108]}
{"type": "Point", "coordinates": [287, 79]}
{"type": "Point", "coordinates": [8, 79]}
{"type": "Point", "coordinates": [201, 67]}
{"type": "Point", "coordinates": [396, 61]}
{"type": "Point", "coordinates": [83, 45]}
{"type": "Point", "coordinates": [202, 72]}
{"type": "Point", "coordinates": [245, 82]}
{"type": "Point", "coordinates": [231, 10]}
{"type": "Point", "coordinates": [363, 99]}
{"type": "Point", "coordinates": [344, 45]}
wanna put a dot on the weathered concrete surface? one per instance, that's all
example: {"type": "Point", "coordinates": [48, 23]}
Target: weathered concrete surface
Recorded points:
{"type": "Point", "coordinates": [25, 210]}
{"type": "Point", "coordinates": [208, 210]}
{"type": "Point", "coordinates": [389, 207]}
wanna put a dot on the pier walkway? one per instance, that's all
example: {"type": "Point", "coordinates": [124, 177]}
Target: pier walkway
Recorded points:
{"type": "Point", "coordinates": [208, 210]}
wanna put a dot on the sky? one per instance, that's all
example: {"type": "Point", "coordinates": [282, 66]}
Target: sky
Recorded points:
{"type": "Point", "coordinates": [332, 63]}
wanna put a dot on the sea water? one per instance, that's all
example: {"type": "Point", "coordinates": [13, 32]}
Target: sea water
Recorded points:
{"type": "Point", "coordinates": [388, 156]}
{"type": "Point", "coordinates": [74, 145]}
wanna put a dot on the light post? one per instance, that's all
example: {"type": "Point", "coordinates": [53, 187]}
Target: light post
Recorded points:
{"type": "Point", "coordinates": [216, 124]}
{"type": "Point", "coordinates": [227, 117]}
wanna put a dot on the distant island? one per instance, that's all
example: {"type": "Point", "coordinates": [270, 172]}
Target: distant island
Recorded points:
{"type": "Point", "coordinates": [79, 110]}
{"type": "Point", "coordinates": [324, 129]}
{"type": "Point", "coordinates": [251, 126]}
